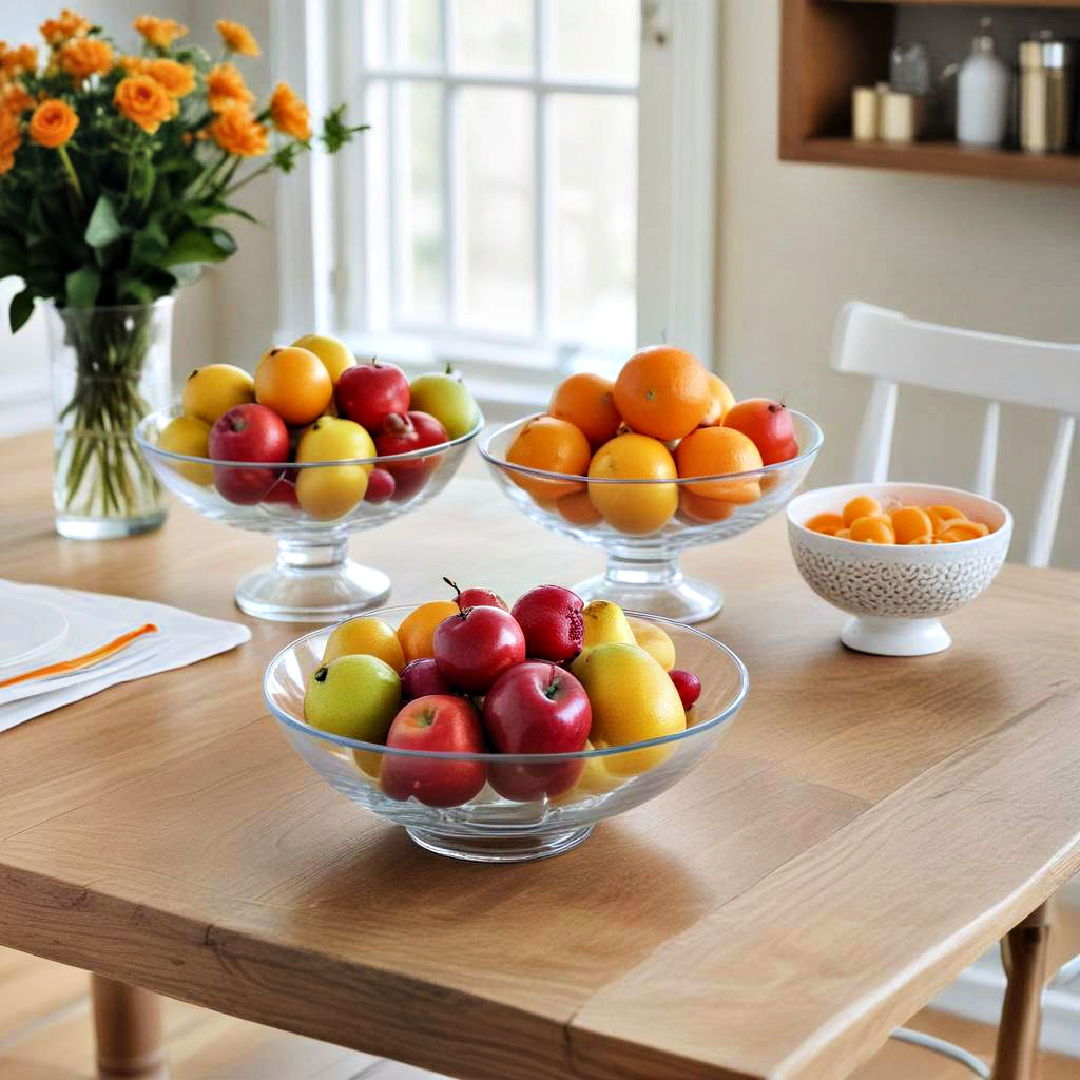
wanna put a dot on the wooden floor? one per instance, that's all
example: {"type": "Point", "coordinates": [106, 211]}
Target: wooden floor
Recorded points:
{"type": "Point", "coordinates": [45, 1035]}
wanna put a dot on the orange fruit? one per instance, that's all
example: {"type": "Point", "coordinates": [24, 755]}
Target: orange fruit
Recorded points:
{"type": "Point", "coordinates": [872, 529]}
{"type": "Point", "coordinates": [636, 509]}
{"type": "Point", "coordinates": [940, 513]}
{"type": "Point", "coordinates": [294, 383]}
{"type": "Point", "coordinates": [719, 451]}
{"type": "Point", "coordinates": [827, 524]}
{"type": "Point", "coordinates": [578, 509]}
{"type": "Point", "coordinates": [955, 531]}
{"type": "Point", "coordinates": [861, 506]}
{"type": "Point", "coordinates": [721, 399]}
{"type": "Point", "coordinates": [698, 510]}
{"type": "Point", "coordinates": [910, 523]}
{"type": "Point", "coordinates": [552, 445]}
{"type": "Point", "coordinates": [663, 392]}
{"type": "Point", "coordinates": [418, 627]}
{"type": "Point", "coordinates": [587, 402]}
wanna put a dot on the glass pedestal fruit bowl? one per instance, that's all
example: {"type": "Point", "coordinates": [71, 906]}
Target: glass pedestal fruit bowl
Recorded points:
{"type": "Point", "coordinates": [488, 826]}
{"type": "Point", "coordinates": [312, 579]}
{"type": "Point", "coordinates": [643, 525]}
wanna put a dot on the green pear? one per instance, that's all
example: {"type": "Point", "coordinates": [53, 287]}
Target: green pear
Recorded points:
{"type": "Point", "coordinates": [447, 398]}
{"type": "Point", "coordinates": [604, 622]}
{"type": "Point", "coordinates": [355, 696]}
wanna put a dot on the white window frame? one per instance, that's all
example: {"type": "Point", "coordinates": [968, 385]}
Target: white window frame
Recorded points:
{"type": "Point", "coordinates": [677, 194]}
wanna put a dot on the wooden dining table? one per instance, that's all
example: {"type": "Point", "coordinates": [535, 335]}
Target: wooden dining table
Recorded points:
{"type": "Point", "coordinates": [864, 831]}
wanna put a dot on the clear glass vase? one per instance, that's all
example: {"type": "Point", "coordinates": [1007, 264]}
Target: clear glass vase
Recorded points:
{"type": "Point", "coordinates": [111, 366]}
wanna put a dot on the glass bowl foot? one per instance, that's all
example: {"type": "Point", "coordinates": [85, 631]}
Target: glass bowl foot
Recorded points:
{"type": "Point", "coordinates": [895, 637]}
{"type": "Point", "coordinates": [499, 849]}
{"type": "Point", "coordinates": [656, 588]}
{"type": "Point", "coordinates": [314, 583]}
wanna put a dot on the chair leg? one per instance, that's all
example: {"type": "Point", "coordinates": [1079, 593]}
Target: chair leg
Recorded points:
{"type": "Point", "coordinates": [127, 1023]}
{"type": "Point", "coordinates": [1023, 952]}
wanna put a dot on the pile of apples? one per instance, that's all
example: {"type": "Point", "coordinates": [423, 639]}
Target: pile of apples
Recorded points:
{"type": "Point", "coordinates": [311, 402]}
{"type": "Point", "coordinates": [552, 675]}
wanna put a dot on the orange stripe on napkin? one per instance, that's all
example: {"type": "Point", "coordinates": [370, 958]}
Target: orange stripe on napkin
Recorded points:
{"type": "Point", "coordinates": [77, 662]}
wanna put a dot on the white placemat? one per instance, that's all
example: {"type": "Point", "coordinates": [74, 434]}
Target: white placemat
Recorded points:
{"type": "Point", "coordinates": [95, 619]}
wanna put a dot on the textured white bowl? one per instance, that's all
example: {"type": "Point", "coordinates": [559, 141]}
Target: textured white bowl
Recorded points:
{"type": "Point", "coordinates": [897, 593]}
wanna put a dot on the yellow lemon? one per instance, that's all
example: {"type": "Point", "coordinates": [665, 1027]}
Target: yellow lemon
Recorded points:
{"type": "Point", "coordinates": [655, 641]}
{"type": "Point", "coordinates": [191, 437]}
{"type": "Point", "coordinates": [366, 636]}
{"type": "Point", "coordinates": [635, 509]}
{"type": "Point", "coordinates": [633, 698]}
{"type": "Point", "coordinates": [213, 390]}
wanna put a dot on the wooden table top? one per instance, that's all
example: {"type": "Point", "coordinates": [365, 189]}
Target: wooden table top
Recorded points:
{"type": "Point", "coordinates": [868, 827]}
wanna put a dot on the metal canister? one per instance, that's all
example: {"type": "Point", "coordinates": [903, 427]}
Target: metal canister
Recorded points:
{"type": "Point", "coordinates": [1046, 94]}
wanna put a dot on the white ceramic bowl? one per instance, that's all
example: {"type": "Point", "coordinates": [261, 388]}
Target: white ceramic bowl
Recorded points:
{"type": "Point", "coordinates": [897, 593]}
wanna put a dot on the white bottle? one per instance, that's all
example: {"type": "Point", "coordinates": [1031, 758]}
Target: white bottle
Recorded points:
{"type": "Point", "coordinates": [982, 105]}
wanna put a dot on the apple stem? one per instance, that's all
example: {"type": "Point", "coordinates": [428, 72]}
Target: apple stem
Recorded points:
{"type": "Point", "coordinates": [374, 359]}
{"type": "Point", "coordinates": [457, 589]}
{"type": "Point", "coordinates": [553, 684]}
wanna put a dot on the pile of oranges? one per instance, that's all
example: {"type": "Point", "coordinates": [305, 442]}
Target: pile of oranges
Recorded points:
{"type": "Point", "coordinates": [665, 417]}
{"type": "Point", "coordinates": [864, 519]}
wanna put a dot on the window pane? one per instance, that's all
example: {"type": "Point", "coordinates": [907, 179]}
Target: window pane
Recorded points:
{"type": "Point", "coordinates": [417, 31]}
{"type": "Point", "coordinates": [595, 39]}
{"type": "Point", "coordinates": [375, 153]}
{"type": "Point", "coordinates": [419, 168]}
{"type": "Point", "coordinates": [493, 35]}
{"type": "Point", "coordinates": [497, 210]}
{"type": "Point", "coordinates": [373, 13]}
{"type": "Point", "coordinates": [595, 203]}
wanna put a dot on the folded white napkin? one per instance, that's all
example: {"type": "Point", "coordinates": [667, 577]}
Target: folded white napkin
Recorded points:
{"type": "Point", "coordinates": [94, 620]}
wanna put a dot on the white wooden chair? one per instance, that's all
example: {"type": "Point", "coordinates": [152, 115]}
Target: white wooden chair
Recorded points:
{"type": "Point", "coordinates": [895, 350]}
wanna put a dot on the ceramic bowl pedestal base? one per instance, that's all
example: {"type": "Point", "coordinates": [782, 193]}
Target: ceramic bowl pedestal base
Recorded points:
{"type": "Point", "coordinates": [886, 636]}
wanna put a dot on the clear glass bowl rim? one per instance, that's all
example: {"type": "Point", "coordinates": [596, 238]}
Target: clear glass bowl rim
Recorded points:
{"type": "Point", "coordinates": [392, 459]}
{"type": "Point", "coordinates": [725, 714]}
{"type": "Point", "coordinates": [816, 442]}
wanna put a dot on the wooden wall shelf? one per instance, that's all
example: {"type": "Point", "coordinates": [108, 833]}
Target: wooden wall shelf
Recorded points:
{"type": "Point", "coordinates": [829, 46]}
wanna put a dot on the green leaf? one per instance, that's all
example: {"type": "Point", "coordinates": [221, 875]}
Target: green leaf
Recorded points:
{"type": "Point", "coordinates": [336, 132]}
{"type": "Point", "coordinates": [200, 246]}
{"type": "Point", "coordinates": [12, 255]}
{"type": "Point", "coordinates": [149, 244]}
{"type": "Point", "coordinates": [81, 286]}
{"type": "Point", "coordinates": [135, 292]}
{"type": "Point", "coordinates": [104, 227]}
{"type": "Point", "coordinates": [22, 307]}
{"type": "Point", "coordinates": [203, 213]}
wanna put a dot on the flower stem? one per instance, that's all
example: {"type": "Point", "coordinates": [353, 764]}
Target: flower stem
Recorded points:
{"type": "Point", "coordinates": [73, 179]}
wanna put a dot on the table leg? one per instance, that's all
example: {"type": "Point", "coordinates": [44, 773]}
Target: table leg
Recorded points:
{"type": "Point", "coordinates": [1023, 952]}
{"type": "Point", "coordinates": [127, 1023]}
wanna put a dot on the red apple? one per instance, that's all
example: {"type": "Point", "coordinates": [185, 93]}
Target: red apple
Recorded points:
{"type": "Point", "coordinates": [768, 425]}
{"type": "Point", "coordinates": [247, 433]}
{"type": "Point", "coordinates": [380, 486]}
{"type": "Point", "coordinates": [437, 722]}
{"type": "Point", "coordinates": [421, 677]}
{"type": "Point", "coordinates": [474, 647]}
{"type": "Point", "coordinates": [284, 490]}
{"type": "Point", "coordinates": [402, 433]}
{"type": "Point", "coordinates": [688, 686]}
{"type": "Point", "coordinates": [475, 597]}
{"type": "Point", "coordinates": [368, 393]}
{"type": "Point", "coordinates": [550, 618]}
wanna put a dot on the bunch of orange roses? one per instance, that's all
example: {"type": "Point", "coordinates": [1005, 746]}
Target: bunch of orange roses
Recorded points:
{"type": "Point", "coordinates": [116, 169]}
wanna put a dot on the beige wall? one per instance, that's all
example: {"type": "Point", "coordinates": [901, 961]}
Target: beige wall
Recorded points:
{"type": "Point", "coordinates": [796, 241]}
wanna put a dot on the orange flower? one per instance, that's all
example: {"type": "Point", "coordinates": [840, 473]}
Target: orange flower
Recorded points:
{"type": "Point", "coordinates": [236, 131]}
{"type": "Point", "coordinates": [144, 101]}
{"type": "Point", "coordinates": [83, 57]}
{"type": "Point", "coordinates": [177, 79]}
{"type": "Point", "coordinates": [237, 37]}
{"type": "Point", "coordinates": [53, 123]}
{"type": "Point", "coordinates": [23, 58]}
{"type": "Point", "coordinates": [134, 65]}
{"type": "Point", "coordinates": [10, 140]}
{"type": "Point", "coordinates": [288, 113]}
{"type": "Point", "coordinates": [14, 100]}
{"type": "Point", "coordinates": [226, 89]}
{"type": "Point", "coordinates": [160, 33]}
{"type": "Point", "coordinates": [67, 25]}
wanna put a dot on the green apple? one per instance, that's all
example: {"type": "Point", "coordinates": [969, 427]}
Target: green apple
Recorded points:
{"type": "Point", "coordinates": [447, 398]}
{"type": "Point", "coordinates": [334, 354]}
{"type": "Point", "coordinates": [355, 696]}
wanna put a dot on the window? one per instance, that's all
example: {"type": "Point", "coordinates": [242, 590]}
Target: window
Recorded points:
{"type": "Point", "coordinates": [514, 207]}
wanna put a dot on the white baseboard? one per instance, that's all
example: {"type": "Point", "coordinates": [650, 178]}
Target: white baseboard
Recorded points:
{"type": "Point", "coordinates": [977, 995]}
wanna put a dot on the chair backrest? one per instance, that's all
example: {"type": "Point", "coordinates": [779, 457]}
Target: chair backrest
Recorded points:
{"type": "Point", "coordinates": [893, 350]}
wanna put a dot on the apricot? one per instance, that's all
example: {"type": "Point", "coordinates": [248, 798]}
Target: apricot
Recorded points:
{"type": "Point", "coordinates": [941, 513]}
{"type": "Point", "coordinates": [910, 523]}
{"type": "Point", "coordinates": [861, 506]}
{"type": "Point", "coordinates": [955, 531]}
{"type": "Point", "coordinates": [827, 524]}
{"type": "Point", "coordinates": [872, 529]}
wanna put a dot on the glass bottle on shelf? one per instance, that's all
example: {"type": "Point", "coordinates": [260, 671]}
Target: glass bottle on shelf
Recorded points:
{"type": "Point", "coordinates": [983, 91]}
